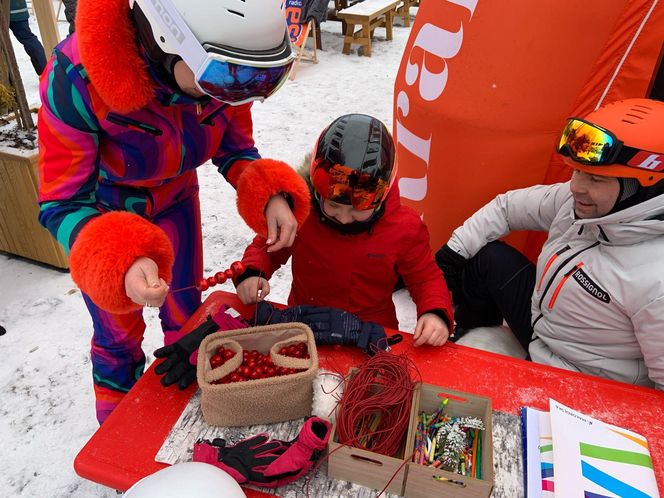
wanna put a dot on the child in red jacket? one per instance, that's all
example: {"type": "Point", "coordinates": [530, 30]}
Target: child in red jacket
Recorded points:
{"type": "Point", "coordinates": [358, 239]}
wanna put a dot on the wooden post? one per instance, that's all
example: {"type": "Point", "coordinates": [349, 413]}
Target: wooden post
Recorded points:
{"type": "Point", "coordinates": [47, 24]}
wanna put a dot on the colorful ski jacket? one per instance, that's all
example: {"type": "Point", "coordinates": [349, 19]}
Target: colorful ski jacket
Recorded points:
{"type": "Point", "coordinates": [598, 304]}
{"type": "Point", "coordinates": [358, 272]}
{"type": "Point", "coordinates": [94, 158]}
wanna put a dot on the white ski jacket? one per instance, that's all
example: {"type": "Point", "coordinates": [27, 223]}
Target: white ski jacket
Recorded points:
{"type": "Point", "coordinates": [598, 304]}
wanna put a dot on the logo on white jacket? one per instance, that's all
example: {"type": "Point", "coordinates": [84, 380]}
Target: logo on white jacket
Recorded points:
{"type": "Point", "coordinates": [589, 285]}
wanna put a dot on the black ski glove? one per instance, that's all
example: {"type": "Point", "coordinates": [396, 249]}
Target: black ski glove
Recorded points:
{"type": "Point", "coordinates": [244, 461]}
{"type": "Point", "coordinates": [177, 366]}
{"type": "Point", "coordinates": [329, 325]}
{"type": "Point", "coordinates": [452, 265]}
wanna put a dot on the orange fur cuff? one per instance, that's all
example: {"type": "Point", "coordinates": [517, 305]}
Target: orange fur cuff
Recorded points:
{"type": "Point", "coordinates": [261, 180]}
{"type": "Point", "coordinates": [105, 249]}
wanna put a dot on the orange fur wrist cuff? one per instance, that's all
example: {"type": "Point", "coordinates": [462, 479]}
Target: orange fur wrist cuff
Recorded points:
{"type": "Point", "coordinates": [105, 249]}
{"type": "Point", "coordinates": [261, 180]}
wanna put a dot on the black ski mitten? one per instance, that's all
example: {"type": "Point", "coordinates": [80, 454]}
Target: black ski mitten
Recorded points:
{"type": "Point", "coordinates": [177, 366]}
{"type": "Point", "coordinates": [329, 325]}
{"type": "Point", "coordinates": [452, 264]}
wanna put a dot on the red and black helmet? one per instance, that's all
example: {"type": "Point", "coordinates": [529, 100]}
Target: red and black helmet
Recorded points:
{"type": "Point", "coordinates": [354, 162]}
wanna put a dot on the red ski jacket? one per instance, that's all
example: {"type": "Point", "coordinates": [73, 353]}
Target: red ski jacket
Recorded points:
{"type": "Point", "coordinates": [358, 272]}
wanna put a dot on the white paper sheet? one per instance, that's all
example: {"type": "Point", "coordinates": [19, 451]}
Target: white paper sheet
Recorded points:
{"type": "Point", "coordinates": [597, 460]}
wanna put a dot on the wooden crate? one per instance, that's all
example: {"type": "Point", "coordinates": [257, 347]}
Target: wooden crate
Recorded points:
{"type": "Point", "coordinates": [20, 232]}
{"type": "Point", "coordinates": [367, 468]}
{"type": "Point", "coordinates": [421, 480]}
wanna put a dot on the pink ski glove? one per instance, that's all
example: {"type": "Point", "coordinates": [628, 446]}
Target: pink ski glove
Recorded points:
{"type": "Point", "coordinates": [300, 457]}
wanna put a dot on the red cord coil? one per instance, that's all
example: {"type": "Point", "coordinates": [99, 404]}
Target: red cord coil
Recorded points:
{"type": "Point", "coordinates": [374, 410]}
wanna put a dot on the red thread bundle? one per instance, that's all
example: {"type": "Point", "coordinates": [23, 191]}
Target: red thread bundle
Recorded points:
{"type": "Point", "coordinates": [374, 411]}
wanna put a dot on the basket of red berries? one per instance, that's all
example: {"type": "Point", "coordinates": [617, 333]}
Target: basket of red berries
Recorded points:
{"type": "Point", "coordinates": [257, 375]}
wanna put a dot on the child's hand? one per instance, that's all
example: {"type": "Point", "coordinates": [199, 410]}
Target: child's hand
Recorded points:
{"type": "Point", "coordinates": [143, 285]}
{"type": "Point", "coordinates": [430, 329]}
{"type": "Point", "coordinates": [252, 290]}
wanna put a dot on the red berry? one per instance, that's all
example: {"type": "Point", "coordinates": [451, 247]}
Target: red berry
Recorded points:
{"type": "Point", "coordinates": [244, 371]}
{"type": "Point", "coordinates": [219, 277]}
{"type": "Point", "coordinates": [211, 281]}
{"type": "Point", "coordinates": [270, 372]}
{"type": "Point", "coordinates": [228, 354]}
{"type": "Point", "coordinates": [237, 268]}
{"type": "Point", "coordinates": [228, 273]}
{"type": "Point", "coordinates": [216, 360]}
{"type": "Point", "coordinates": [202, 285]}
{"type": "Point", "coordinates": [235, 377]}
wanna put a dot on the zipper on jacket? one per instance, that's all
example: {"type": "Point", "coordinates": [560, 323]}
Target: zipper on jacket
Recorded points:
{"type": "Point", "coordinates": [207, 120]}
{"type": "Point", "coordinates": [561, 283]}
{"type": "Point", "coordinates": [199, 109]}
{"type": "Point", "coordinates": [133, 124]}
{"type": "Point", "coordinates": [549, 263]}
{"type": "Point", "coordinates": [546, 289]}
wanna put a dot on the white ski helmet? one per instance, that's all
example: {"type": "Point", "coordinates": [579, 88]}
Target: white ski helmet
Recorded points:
{"type": "Point", "coordinates": [238, 50]}
{"type": "Point", "coordinates": [187, 479]}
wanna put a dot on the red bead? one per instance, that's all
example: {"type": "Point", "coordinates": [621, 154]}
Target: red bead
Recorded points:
{"type": "Point", "coordinates": [237, 268]}
{"type": "Point", "coordinates": [211, 281]}
{"type": "Point", "coordinates": [228, 273]}
{"type": "Point", "coordinates": [220, 277]}
{"type": "Point", "coordinates": [202, 285]}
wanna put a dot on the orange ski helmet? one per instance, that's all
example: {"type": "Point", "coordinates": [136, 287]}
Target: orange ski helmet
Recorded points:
{"type": "Point", "coordinates": [624, 139]}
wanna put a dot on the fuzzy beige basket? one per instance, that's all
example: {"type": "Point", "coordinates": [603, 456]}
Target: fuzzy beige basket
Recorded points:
{"type": "Point", "coordinates": [260, 401]}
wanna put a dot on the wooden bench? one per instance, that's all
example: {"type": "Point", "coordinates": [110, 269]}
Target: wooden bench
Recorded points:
{"type": "Point", "coordinates": [403, 10]}
{"type": "Point", "coordinates": [370, 14]}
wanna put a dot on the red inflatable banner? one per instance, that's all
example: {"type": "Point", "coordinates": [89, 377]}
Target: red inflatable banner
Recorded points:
{"type": "Point", "coordinates": [484, 88]}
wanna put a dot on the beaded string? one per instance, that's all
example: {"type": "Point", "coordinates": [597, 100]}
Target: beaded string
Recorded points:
{"type": "Point", "coordinates": [202, 284]}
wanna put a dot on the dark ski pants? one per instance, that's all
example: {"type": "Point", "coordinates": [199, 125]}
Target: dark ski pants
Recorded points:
{"type": "Point", "coordinates": [31, 43]}
{"type": "Point", "coordinates": [497, 284]}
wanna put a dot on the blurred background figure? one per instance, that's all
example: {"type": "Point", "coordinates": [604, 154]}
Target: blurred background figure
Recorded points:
{"type": "Point", "coordinates": [20, 27]}
{"type": "Point", "coordinates": [70, 13]}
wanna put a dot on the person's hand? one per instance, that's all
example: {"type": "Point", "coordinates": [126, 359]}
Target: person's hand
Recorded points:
{"type": "Point", "coordinates": [143, 285]}
{"type": "Point", "coordinates": [248, 290]}
{"type": "Point", "coordinates": [281, 223]}
{"type": "Point", "coordinates": [430, 329]}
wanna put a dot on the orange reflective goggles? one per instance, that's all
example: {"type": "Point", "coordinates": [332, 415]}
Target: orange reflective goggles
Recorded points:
{"type": "Point", "coordinates": [345, 185]}
{"type": "Point", "coordinates": [588, 143]}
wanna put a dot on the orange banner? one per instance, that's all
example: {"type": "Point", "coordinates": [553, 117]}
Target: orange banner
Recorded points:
{"type": "Point", "coordinates": [484, 88]}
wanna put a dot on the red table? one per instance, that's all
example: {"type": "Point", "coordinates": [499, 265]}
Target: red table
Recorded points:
{"type": "Point", "coordinates": [122, 451]}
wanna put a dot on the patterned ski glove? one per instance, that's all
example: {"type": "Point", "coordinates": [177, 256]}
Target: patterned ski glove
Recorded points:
{"type": "Point", "coordinates": [177, 366]}
{"type": "Point", "coordinates": [244, 461]}
{"type": "Point", "coordinates": [329, 325]}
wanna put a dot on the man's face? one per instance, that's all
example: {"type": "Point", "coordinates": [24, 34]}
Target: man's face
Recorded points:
{"type": "Point", "coordinates": [594, 196]}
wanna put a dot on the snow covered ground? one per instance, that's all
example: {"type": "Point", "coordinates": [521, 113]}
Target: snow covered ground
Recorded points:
{"type": "Point", "coordinates": [46, 400]}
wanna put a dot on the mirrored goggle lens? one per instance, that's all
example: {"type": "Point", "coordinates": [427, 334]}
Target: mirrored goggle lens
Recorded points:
{"type": "Point", "coordinates": [586, 143]}
{"type": "Point", "coordinates": [345, 185]}
{"type": "Point", "coordinates": [235, 83]}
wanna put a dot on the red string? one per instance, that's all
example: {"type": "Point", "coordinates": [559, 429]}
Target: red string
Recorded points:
{"type": "Point", "coordinates": [374, 410]}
